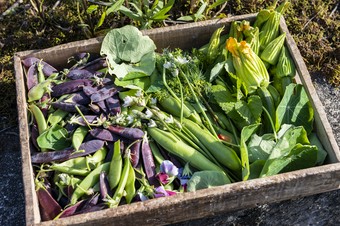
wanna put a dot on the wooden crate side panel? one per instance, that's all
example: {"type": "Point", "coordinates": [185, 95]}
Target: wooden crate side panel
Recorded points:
{"type": "Point", "coordinates": [323, 128]}
{"type": "Point", "coordinates": [209, 202]}
{"type": "Point", "coordinates": [31, 207]}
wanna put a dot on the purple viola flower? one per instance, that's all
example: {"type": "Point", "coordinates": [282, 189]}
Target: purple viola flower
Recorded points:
{"type": "Point", "coordinates": [169, 168]}
{"type": "Point", "coordinates": [184, 174]}
{"type": "Point", "coordinates": [161, 192]}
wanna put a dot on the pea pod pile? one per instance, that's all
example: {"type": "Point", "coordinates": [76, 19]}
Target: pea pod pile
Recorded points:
{"type": "Point", "coordinates": [132, 124]}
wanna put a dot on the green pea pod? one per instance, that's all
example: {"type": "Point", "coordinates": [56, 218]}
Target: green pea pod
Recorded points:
{"type": "Point", "coordinates": [56, 116]}
{"type": "Point", "coordinates": [115, 166]}
{"type": "Point", "coordinates": [39, 117]}
{"type": "Point", "coordinates": [114, 202]}
{"type": "Point", "coordinates": [37, 91]}
{"type": "Point", "coordinates": [156, 153]}
{"type": "Point", "coordinates": [88, 182]}
{"type": "Point", "coordinates": [96, 159]}
{"type": "Point", "coordinates": [130, 188]}
{"type": "Point", "coordinates": [78, 136]}
{"type": "Point", "coordinates": [76, 166]}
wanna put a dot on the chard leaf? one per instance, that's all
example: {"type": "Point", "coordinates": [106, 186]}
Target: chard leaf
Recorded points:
{"type": "Point", "coordinates": [260, 147]}
{"type": "Point", "coordinates": [246, 133]}
{"type": "Point", "coordinates": [295, 108]}
{"type": "Point", "coordinates": [128, 51]}
{"type": "Point", "coordinates": [54, 138]}
{"type": "Point", "coordinates": [281, 154]}
{"type": "Point", "coordinates": [206, 179]}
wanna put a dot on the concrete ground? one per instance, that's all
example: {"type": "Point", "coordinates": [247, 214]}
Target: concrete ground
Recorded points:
{"type": "Point", "coordinates": [321, 209]}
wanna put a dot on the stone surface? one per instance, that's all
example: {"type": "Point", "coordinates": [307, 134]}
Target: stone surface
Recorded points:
{"type": "Point", "coordinates": [321, 209]}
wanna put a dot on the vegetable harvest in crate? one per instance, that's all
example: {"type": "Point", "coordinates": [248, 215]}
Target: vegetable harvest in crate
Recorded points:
{"type": "Point", "coordinates": [132, 124]}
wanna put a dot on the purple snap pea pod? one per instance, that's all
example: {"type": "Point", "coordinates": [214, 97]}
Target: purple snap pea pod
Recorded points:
{"type": "Point", "coordinates": [102, 106]}
{"type": "Point", "coordinates": [113, 105]}
{"type": "Point", "coordinates": [95, 65]}
{"type": "Point", "coordinates": [79, 74]}
{"type": "Point", "coordinates": [89, 90]}
{"type": "Point", "coordinates": [32, 77]}
{"type": "Point", "coordinates": [88, 147]}
{"type": "Point", "coordinates": [69, 87]}
{"type": "Point", "coordinates": [129, 133]}
{"type": "Point", "coordinates": [149, 163]}
{"type": "Point", "coordinates": [89, 118]}
{"type": "Point", "coordinates": [78, 98]}
{"type": "Point", "coordinates": [47, 68]}
{"type": "Point", "coordinates": [104, 186]}
{"type": "Point", "coordinates": [49, 207]}
{"type": "Point", "coordinates": [103, 94]}
{"type": "Point", "coordinates": [95, 108]}
{"type": "Point", "coordinates": [71, 210]}
{"type": "Point", "coordinates": [70, 107]}
{"type": "Point", "coordinates": [104, 134]}
{"type": "Point", "coordinates": [135, 153]}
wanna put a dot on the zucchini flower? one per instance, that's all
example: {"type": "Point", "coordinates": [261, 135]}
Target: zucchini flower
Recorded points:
{"type": "Point", "coordinates": [272, 52]}
{"type": "Point", "coordinates": [250, 69]}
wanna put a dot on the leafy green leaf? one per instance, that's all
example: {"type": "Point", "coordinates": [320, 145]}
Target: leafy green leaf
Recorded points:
{"type": "Point", "coordinates": [206, 179]}
{"type": "Point", "coordinates": [54, 138]}
{"type": "Point", "coordinates": [137, 83]}
{"type": "Point", "coordinates": [260, 147]}
{"type": "Point", "coordinates": [295, 108]}
{"type": "Point", "coordinates": [129, 53]}
{"type": "Point", "coordinates": [322, 153]}
{"type": "Point", "coordinates": [282, 153]}
{"type": "Point", "coordinates": [255, 169]}
{"type": "Point", "coordinates": [246, 133]}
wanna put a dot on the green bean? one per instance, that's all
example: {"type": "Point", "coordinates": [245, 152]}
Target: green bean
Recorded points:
{"type": "Point", "coordinates": [78, 136]}
{"type": "Point", "coordinates": [115, 166]}
{"type": "Point", "coordinates": [177, 147]}
{"type": "Point", "coordinates": [224, 154]}
{"type": "Point", "coordinates": [55, 117]}
{"type": "Point", "coordinates": [130, 188]}
{"type": "Point", "coordinates": [39, 117]}
{"type": "Point", "coordinates": [89, 181]}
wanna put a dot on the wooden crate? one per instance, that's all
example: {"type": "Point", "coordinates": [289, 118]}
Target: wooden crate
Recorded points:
{"type": "Point", "coordinates": [203, 203]}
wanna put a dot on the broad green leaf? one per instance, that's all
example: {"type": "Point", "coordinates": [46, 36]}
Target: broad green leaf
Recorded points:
{"type": "Point", "coordinates": [128, 51]}
{"type": "Point", "coordinates": [279, 156]}
{"type": "Point", "coordinates": [125, 71]}
{"type": "Point", "coordinates": [54, 138]}
{"type": "Point", "coordinates": [322, 153]}
{"type": "Point", "coordinates": [255, 169]}
{"type": "Point", "coordinates": [300, 157]}
{"type": "Point", "coordinates": [137, 83]}
{"type": "Point", "coordinates": [246, 133]}
{"type": "Point", "coordinates": [206, 179]}
{"type": "Point", "coordinates": [295, 108]}
{"type": "Point", "coordinates": [260, 147]}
